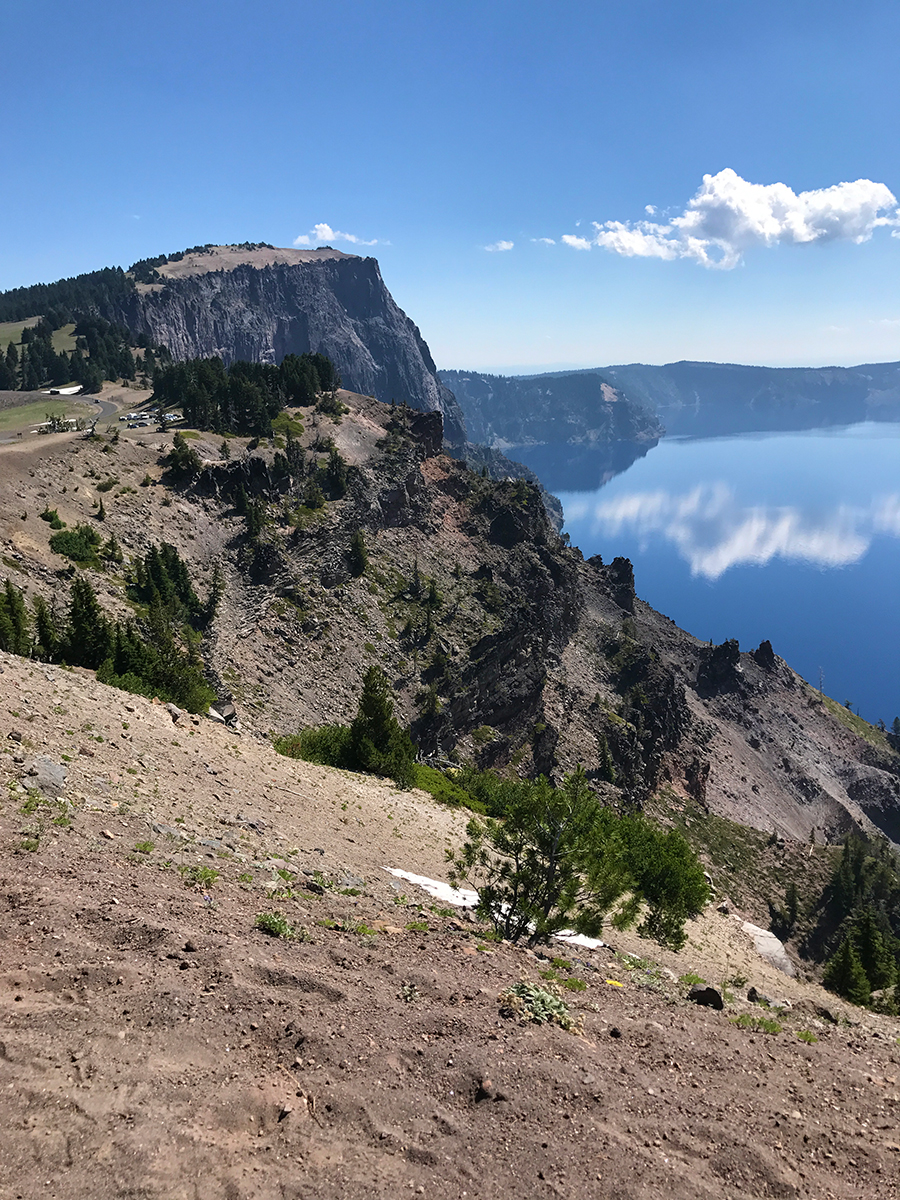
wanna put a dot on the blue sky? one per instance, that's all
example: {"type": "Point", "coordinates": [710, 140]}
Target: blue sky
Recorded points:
{"type": "Point", "coordinates": [438, 129]}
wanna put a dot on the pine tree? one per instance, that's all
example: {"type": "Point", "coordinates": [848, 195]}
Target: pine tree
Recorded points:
{"type": "Point", "coordinates": [46, 635]}
{"type": "Point", "coordinates": [14, 603]}
{"type": "Point", "coordinates": [874, 951]}
{"type": "Point", "coordinates": [358, 557]}
{"type": "Point", "coordinates": [844, 974]}
{"type": "Point", "coordinates": [606, 765]}
{"type": "Point", "coordinates": [90, 638]}
{"type": "Point", "coordinates": [377, 743]}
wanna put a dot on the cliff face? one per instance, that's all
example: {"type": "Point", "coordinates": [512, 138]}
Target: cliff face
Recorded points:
{"type": "Point", "coordinates": [265, 305]}
{"type": "Point", "coordinates": [581, 408]}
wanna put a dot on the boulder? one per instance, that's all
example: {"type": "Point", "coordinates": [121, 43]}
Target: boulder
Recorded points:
{"type": "Point", "coordinates": [708, 997]}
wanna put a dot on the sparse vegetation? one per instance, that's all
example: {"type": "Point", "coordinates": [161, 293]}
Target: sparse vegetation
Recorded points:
{"type": "Point", "coordinates": [529, 1002]}
{"type": "Point", "coordinates": [199, 876]}
{"type": "Point", "coordinates": [276, 924]}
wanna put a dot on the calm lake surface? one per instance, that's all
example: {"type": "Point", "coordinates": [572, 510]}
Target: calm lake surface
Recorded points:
{"type": "Point", "coordinates": [794, 537]}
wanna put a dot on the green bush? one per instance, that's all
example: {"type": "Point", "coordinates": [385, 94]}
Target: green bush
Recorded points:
{"type": "Point", "coordinates": [529, 1002]}
{"type": "Point", "coordinates": [554, 858]}
{"type": "Point", "coordinates": [276, 924]}
{"type": "Point", "coordinates": [444, 788]}
{"type": "Point", "coordinates": [79, 544]}
{"type": "Point", "coordinates": [325, 744]}
{"type": "Point", "coordinates": [374, 743]}
{"type": "Point", "coordinates": [53, 518]}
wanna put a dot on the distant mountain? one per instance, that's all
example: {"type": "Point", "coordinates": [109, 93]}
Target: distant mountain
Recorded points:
{"type": "Point", "coordinates": [706, 399]}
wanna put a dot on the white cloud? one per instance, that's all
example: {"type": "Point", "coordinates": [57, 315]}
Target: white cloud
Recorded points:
{"type": "Point", "coordinates": [546, 241]}
{"type": "Point", "coordinates": [712, 531]}
{"type": "Point", "coordinates": [579, 243]}
{"type": "Point", "coordinates": [728, 215]}
{"type": "Point", "coordinates": [498, 246]}
{"type": "Point", "coordinates": [324, 233]}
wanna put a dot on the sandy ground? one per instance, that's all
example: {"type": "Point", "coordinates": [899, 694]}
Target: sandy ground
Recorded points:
{"type": "Point", "coordinates": [153, 1043]}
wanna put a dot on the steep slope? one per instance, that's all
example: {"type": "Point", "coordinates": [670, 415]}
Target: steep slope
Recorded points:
{"type": "Point", "coordinates": [521, 655]}
{"type": "Point", "coordinates": [263, 304]}
{"type": "Point", "coordinates": [157, 1045]}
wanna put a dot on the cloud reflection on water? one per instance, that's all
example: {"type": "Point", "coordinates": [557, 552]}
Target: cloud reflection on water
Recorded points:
{"type": "Point", "coordinates": [712, 530]}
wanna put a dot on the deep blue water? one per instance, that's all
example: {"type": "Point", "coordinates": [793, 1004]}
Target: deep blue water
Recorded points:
{"type": "Point", "coordinates": [794, 537]}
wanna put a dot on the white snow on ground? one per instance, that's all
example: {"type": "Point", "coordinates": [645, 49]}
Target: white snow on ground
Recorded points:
{"type": "Point", "coordinates": [770, 948]}
{"type": "Point", "coordinates": [457, 897]}
{"type": "Point", "coordinates": [466, 898]}
{"type": "Point", "coordinates": [68, 391]}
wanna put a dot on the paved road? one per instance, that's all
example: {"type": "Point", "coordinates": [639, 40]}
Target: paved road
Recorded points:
{"type": "Point", "coordinates": [107, 410]}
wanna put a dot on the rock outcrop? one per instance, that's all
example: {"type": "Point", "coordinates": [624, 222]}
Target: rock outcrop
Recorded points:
{"type": "Point", "coordinates": [261, 305]}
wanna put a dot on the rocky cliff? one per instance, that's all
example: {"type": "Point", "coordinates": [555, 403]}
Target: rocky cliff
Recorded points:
{"type": "Point", "coordinates": [263, 304]}
{"type": "Point", "coordinates": [573, 430]}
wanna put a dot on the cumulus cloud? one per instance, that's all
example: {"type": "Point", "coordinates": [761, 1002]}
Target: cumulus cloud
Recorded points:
{"type": "Point", "coordinates": [324, 233]}
{"type": "Point", "coordinates": [497, 246]}
{"type": "Point", "coordinates": [728, 215]}
{"type": "Point", "coordinates": [712, 531]}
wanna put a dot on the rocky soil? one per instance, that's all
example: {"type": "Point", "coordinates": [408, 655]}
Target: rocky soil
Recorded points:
{"type": "Point", "coordinates": [153, 1043]}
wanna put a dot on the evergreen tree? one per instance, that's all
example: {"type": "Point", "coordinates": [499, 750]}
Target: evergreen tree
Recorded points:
{"type": "Point", "coordinates": [606, 766]}
{"type": "Point", "coordinates": [255, 518]}
{"type": "Point", "coordinates": [90, 638]}
{"type": "Point", "coordinates": [47, 642]}
{"type": "Point", "coordinates": [14, 604]}
{"type": "Point", "coordinates": [358, 557]}
{"type": "Point", "coordinates": [112, 551]}
{"type": "Point", "coordinates": [312, 494]}
{"type": "Point", "coordinates": [844, 975]}
{"type": "Point", "coordinates": [874, 950]}
{"type": "Point", "coordinates": [377, 742]}
{"type": "Point", "coordinates": [336, 473]}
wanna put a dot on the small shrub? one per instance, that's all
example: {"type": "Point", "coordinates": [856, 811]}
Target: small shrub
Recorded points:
{"type": "Point", "coordinates": [528, 1002]}
{"type": "Point", "coordinates": [199, 876]}
{"type": "Point", "coordinates": [52, 517]}
{"type": "Point", "coordinates": [806, 1035]}
{"type": "Point", "coordinates": [691, 979]}
{"type": "Point", "coordinates": [444, 788]}
{"type": "Point", "coordinates": [108, 484]}
{"type": "Point", "coordinates": [144, 847]}
{"type": "Point", "coordinates": [79, 544]}
{"type": "Point", "coordinates": [574, 985]}
{"type": "Point", "coordinates": [276, 924]}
